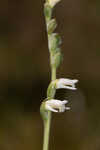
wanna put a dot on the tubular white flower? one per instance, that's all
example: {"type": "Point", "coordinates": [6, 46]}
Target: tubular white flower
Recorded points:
{"type": "Point", "coordinates": [52, 3]}
{"type": "Point", "coordinates": [56, 105]}
{"type": "Point", "coordinates": [66, 84]}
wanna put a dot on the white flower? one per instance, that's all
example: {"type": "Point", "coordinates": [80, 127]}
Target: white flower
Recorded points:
{"type": "Point", "coordinates": [52, 3]}
{"type": "Point", "coordinates": [56, 105]}
{"type": "Point", "coordinates": [66, 84]}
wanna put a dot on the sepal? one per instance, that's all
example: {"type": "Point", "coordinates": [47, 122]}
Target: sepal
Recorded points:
{"type": "Point", "coordinates": [43, 111]}
{"type": "Point", "coordinates": [51, 91]}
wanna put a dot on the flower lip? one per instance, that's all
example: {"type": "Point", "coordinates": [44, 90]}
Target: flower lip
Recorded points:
{"type": "Point", "coordinates": [56, 105]}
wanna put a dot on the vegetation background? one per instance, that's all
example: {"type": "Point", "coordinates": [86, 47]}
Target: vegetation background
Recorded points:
{"type": "Point", "coordinates": [25, 74]}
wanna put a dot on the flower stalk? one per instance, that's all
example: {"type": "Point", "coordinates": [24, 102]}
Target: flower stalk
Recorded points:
{"type": "Point", "coordinates": [54, 42]}
{"type": "Point", "coordinates": [50, 104]}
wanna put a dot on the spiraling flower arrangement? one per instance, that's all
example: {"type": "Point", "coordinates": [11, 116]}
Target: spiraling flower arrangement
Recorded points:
{"type": "Point", "coordinates": [50, 104]}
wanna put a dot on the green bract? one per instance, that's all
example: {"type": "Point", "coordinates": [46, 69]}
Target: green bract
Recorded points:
{"type": "Point", "coordinates": [56, 60]}
{"type": "Point", "coordinates": [51, 90]}
{"type": "Point", "coordinates": [54, 42]}
{"type": "Point", "coordinates": [51, 25]}
{"type": "Point", "coordinates": [43, 112]}
{"type": "Point", "coordinates": [47, 11]}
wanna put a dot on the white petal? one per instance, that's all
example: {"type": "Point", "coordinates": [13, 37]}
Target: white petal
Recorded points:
{"type": "Point", "coordinates": [67, 81]}
{"type": "Point", "coordinates": [67, 108]}
{"type": "Point", "coordinates": [71, 88]}
{"type": "Point", "coordinates": [65, 87]}
{"type": "Point", "coordinates": [75, 80]}
{"type": "Point", "coordinates": [64, 101]}
{"type": "Point", "coordinates": [54, 102]}
{"type": "Point", "coordinates": [50, 108]}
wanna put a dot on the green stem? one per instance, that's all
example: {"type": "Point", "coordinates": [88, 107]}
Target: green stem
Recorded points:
{"type": "Point", "coordinates": [47, 123]}
{"type": "Point", "coordinates": [53, 76]}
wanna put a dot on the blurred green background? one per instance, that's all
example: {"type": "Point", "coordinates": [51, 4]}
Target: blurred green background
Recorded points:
{"type": "Point", "coordinates": [25, 74]}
